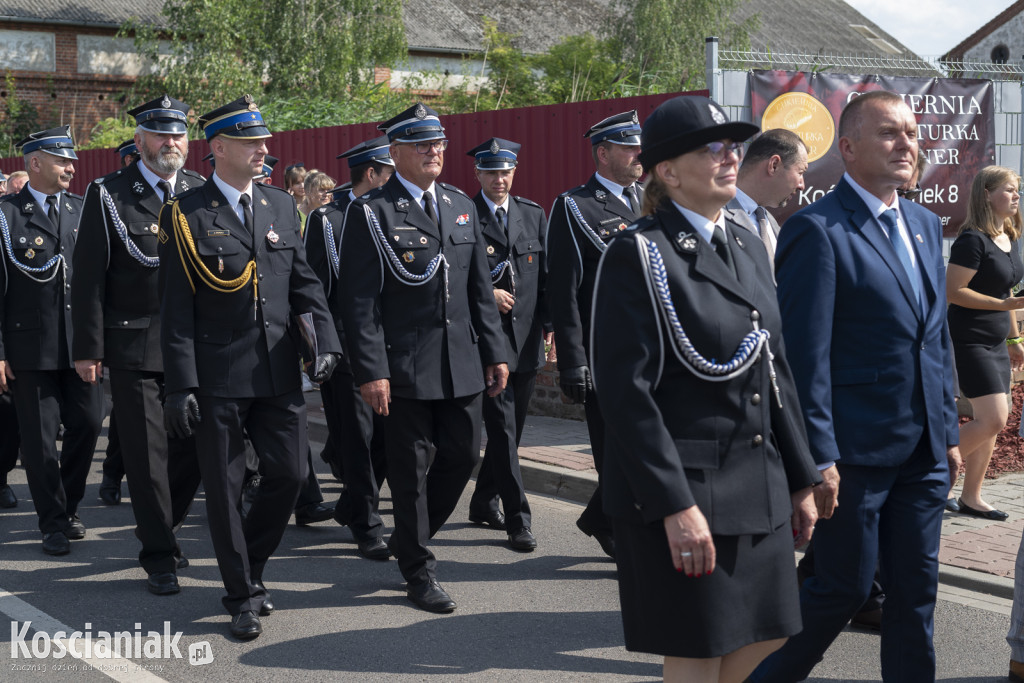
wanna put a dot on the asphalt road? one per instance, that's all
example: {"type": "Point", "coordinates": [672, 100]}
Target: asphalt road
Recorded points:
{"type": "Point", "coordinates": [550, 615]}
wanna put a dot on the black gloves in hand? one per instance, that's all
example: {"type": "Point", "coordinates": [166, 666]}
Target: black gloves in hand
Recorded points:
{"type": "Point", "coordinates": [322, 368]}
{"type": "Point", "coordinates": [181, 414]}
{"type": "Point", "coordinates": [575, 383]}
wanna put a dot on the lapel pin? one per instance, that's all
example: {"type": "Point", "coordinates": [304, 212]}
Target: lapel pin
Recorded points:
{"type": "Point", "coordinates": [397, 238]}
{"type": "Point", "coordinates": [138, 187]}
{"type": "Point", "coordinates": [272, 237]}
{"type": "Point", "coordinates": [600, 194]}
{"type": "Point", "coordinates": [490, 250]}
{"type": "Point", "coordinates": [686, 242]}
{"type": "Point", "coordinates": [919, 238]}
{"type": "Point", "coordinates": [402, 203]}
{"type": "Point", "coordinates": [30, 254]}
{"type": "Point", "coordinates": [423, 240]}
{"type": "Point", "coordinates": [446, 199]}
{"type": "Point", "coordinates": [38, 241]}
{"type": "Point", "coordinates": [153, 228]}
{"type": "Point", "coordinates": [738, 240]}
{"type": "Point", "coordinates": [263, 201]}
{"type": "Point", "coordinates": [68, 206]}
{"type": "Point", "coordinates": [622, 226]}
{"type": "Point", "coordinates": [529, 258]}
{"type": "Point", "coordinates": [184, 185]}
{"type": "Point", "coordinates": [408, 257]}
{"type": "Point", "coordinates": [28, 207]}
{"type": "Point", "coordinates": [215, 203]}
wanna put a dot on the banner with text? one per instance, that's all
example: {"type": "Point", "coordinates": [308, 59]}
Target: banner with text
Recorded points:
{"type": "Point", "coordinates": [955, 121]}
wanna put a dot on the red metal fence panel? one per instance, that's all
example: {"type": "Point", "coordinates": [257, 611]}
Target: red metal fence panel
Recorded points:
{"type": "Point", "coordinates": [554, 158]}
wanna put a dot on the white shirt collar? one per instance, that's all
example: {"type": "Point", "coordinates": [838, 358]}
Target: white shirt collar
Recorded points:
{"type": "Point", "coordinates": [494, 207]}
{"type": "Point", "coordinates": [747, 204]}
{"type": "Point", "coordinates": [153, 178]}
{"type": "Point", "coordinates": [616, 190]}
{"type": "Point", "coordinates": [875, 205]}
{"type": "Point", "coordinates": [41, 198]}
{"type": "Point", "coordinates": [415, 191]}
{"type": "Point", "coordinates": [702, 225]}
{"type": "Point", "coordinates": [230, 193]}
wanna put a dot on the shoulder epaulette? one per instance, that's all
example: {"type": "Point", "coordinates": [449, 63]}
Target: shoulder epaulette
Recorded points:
{"type": "Point", "coordinates": [72, 194]}
{"type": "Point", "coordinates": [524, 200]}
{"type": "Point", "coordinates": [643, 223]}
{"type": "Point", "coordinates": [109, 176]}
{"type": "Point", "coordinates": [194, 174]}
{"type": "Point", "coordinates": [572, 190]}
{"type": "Point", "coordinates": [275, 188]}
{"type": "Point", "coordinates": [453, 189]}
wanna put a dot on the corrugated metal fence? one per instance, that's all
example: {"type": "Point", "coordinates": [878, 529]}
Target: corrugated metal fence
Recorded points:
{"type": "Point", "coordinates": [555, 157]}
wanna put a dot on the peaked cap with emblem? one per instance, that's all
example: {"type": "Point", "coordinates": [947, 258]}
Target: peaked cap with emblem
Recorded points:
{"type": "Point", "coordinates": [162, 115]}
{"type": "Point", "coordinates": [621, 129]}
{"type": "Point", "coordinates": [418, 123]}
{"type": "Point", "coordinates": [240, 119]}
{"type": "Point", "coordinates": [127, 148]}
{"type": "Point", "coordinates": [496, 154]}
{"type": "Point", "coordinates": [683, 124]}
{"type": "Point", "coordinates": [56, 141]}
{"type": "Point", "coordinates": [367, 151]}
{"type": "Point", "coordinates": [269, 163]}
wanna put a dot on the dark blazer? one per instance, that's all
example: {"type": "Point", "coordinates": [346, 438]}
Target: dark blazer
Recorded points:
{"type": "Point", "coordinates": [318, 256]}
{"type": "Point", "coordinates": [35, 316]}
{"type": "Point", "coordinates": [572, 263]}
{"type": "Point", "coordinates": [677, 440]}
{"type": "Point", "coordinates": [222, 344]}
{"type": "Point", "coordinates": [427, 346]}
{"type": "Point", "coordinates": [740, 216]}
{"type": "Point", "coordinates": [880, 362]}
{"type": "Point", "coordinates": [115, 302]}
{"type": "Point", "coordinates": [524, 246]}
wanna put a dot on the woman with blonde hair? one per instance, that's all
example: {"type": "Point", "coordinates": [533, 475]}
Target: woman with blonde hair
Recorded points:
{"type": "Point", "coordinates": [318, 186]}
{"type": "Point", "coordinates": [984, 265]}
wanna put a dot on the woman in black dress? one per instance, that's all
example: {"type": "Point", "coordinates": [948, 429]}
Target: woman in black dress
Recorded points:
{"type": "Point", "coordinates": [707, 466]}
{"type": "Point", "coordinates": [984, 265]}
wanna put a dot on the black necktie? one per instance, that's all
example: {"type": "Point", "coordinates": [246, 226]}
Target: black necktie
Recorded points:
{"type": "Point", "coordinates": [165, 187]}
{"type": "Point", "coordinates": [245, 201]}
{"type": "Point", "coordinates": [631, 193]}
{"type": "Point", "coordinates": [499, 213]}
{"type": "Point", "coordinates": [428, 206]}
{"type": "Point", "coordinates": [722, 248]}
{"type": "Point", "coordinates": [51, 211]}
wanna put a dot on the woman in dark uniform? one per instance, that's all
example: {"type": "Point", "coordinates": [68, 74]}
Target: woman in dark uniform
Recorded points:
{"type": "Point", "coordinates": [708, 467]}
{"type": "Point", "coordinates": [984, 265]}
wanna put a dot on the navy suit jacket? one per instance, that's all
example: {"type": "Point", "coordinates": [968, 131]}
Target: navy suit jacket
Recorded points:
{"type": "Point", "coordinates": [872, 368]}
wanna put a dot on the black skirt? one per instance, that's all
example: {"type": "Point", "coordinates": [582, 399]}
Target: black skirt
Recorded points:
{"type": "Point", "coordinates": [751, 596]}
{"type": "Point", "coordinates": [982, 369]}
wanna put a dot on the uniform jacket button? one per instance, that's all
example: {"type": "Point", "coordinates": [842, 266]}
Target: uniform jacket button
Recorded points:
{"type": "Point", "coordinates": [755, 399]}
{"type": "Point", "coordinates": [757, 440]}
{"type": "Point", "coordinates": [266, 324]}
{"type": "Point", "coordinates": [754, 315]}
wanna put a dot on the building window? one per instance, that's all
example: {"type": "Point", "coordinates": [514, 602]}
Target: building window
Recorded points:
{"type": "Point", "coordinates": [1000, 54]}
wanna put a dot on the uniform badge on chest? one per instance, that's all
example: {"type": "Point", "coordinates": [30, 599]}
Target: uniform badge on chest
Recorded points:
{"type": "Point", "coordinates": [408, 257]}
{"type": "Point", "coordinates": [462, 220]}
{"type": "Point", "coordinates": [272, 237]}
{"type": "Point", "coordinates": [30, 254]}
{"type": "Point", "coordinates": [490, 250]}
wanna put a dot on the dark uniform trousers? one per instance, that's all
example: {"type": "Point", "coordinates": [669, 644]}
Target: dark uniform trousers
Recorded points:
{"type": "Point", "coordinates": [573, 258]}
{"type": "Point", "coordinates": [355, 441]}
{"type": "Point", "coordinates": [117, 320]}
{"type": "Point", "coordinates": [10, 437]}
{"type": "Point", "coordinates": [36, 319]}
{"type": "Point", "coordinates": [432, 342]}
{"type": "Point", "coordinates": [520, 243]}
{"type": "Point", "coordinates": [240, 360]}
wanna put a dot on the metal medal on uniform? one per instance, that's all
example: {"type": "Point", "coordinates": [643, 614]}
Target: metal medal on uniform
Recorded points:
{"type": "Point", "coordinates": [184, 185]}
{"type": "Point", "coordinates": [138, 187]}
{"type": "Point", "coordinates": [28, 207]}
{"type": "Point", "coordinates": [272, 237]}
{"type": "Point", "coordinates": [263, 201]}
{"type": "Point", "coordinates": [397, 238]}
{"type": "Point", "coordinates": [220, 264]}
{"type": "Point", "coordinates": [462, 219]}
{"type": "Point", "coordinates": [215, 203]}
{"type": "Point", "coordinates": [490, 250]}
{"type": "Point", "coordinates": [686, 242]}
{"type": "Point", "coordinates": [154, 228]}
{"type": "Point", "coordinates": [423, 240]}
{"type": "Point", "coordinates": [402, 203]}
{"type": "Point", "coordinates": [68, 206]}
{"type": "Point", "coordinates": [408, 257]}
{"type": "Point", "coordinates": [38, 241]}
{"type": "Point", "coordinates": [30, 254]}
{"type": "Point", "coordinates": [622, 226]}
{"type": "Point", "coordinates": [919, 238]}
{"type": "Point", "coordinates": [446, 199]}
{"type": "Point", "coordinates": [738, 240]}
{"type": "Point", "coordinates": [600, 194]}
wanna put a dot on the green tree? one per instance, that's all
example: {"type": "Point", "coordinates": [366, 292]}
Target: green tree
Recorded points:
{"type": "Point", "coordinates": [220, 49]}
{"type": "Point", "coordinates": [17, 120]}
{"type": "Point", "coordinates": [110, 132]}
{"type": "Point", "coordinates": [663, 40]}
{"type": "Point", "coordinates": [581, 68]}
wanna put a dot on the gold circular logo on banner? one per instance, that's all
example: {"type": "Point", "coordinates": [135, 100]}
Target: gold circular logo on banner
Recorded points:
{"type": "Point", "coordinates": [804, 115]}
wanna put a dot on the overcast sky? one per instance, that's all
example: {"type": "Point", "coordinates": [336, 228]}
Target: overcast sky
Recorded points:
{"type": "Point", "coordinates": [932, 27]}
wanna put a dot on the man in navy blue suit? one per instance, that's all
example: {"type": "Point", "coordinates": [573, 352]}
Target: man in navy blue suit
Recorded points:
{"type": "Point", "coordinates": [861, 286]}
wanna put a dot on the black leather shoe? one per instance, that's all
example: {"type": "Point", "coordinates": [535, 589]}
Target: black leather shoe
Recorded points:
{"type": "Point", "coordinates": [110, 491]}
{"type": "Point", "coordinates": [430, 596]}
{"type": "Point", "coordinates": [993, 514]}
{"type": "Point", "coordinates": [952, 505]}
{"type": "Point", "coordinates": [604, 539]}
{"type": "Point", "coordinates": [246, 625]}
{"type": "Point", "coordinates": [374, 549]}
{"type": "Point", "coordinates": [522, 540]}
{"type": "Point", "coordinates": [182, 562]}
{"type": "Point", "coordinates": [7, 497]}
{"type": "Point", "coordinates": [492, 518]}
{"type": "Point", "coordinates": [163, 583]}
{"type": "Point", "coordinates": [311, 514]}
{"type": "Point", "coordinates": [76, 531]}
{"type": "Point", "coordinates": [56, 543]}
{"type": "Point", "coordinates": [267, 608]}
{"type": "Point", "coordinates": [870, 619]}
